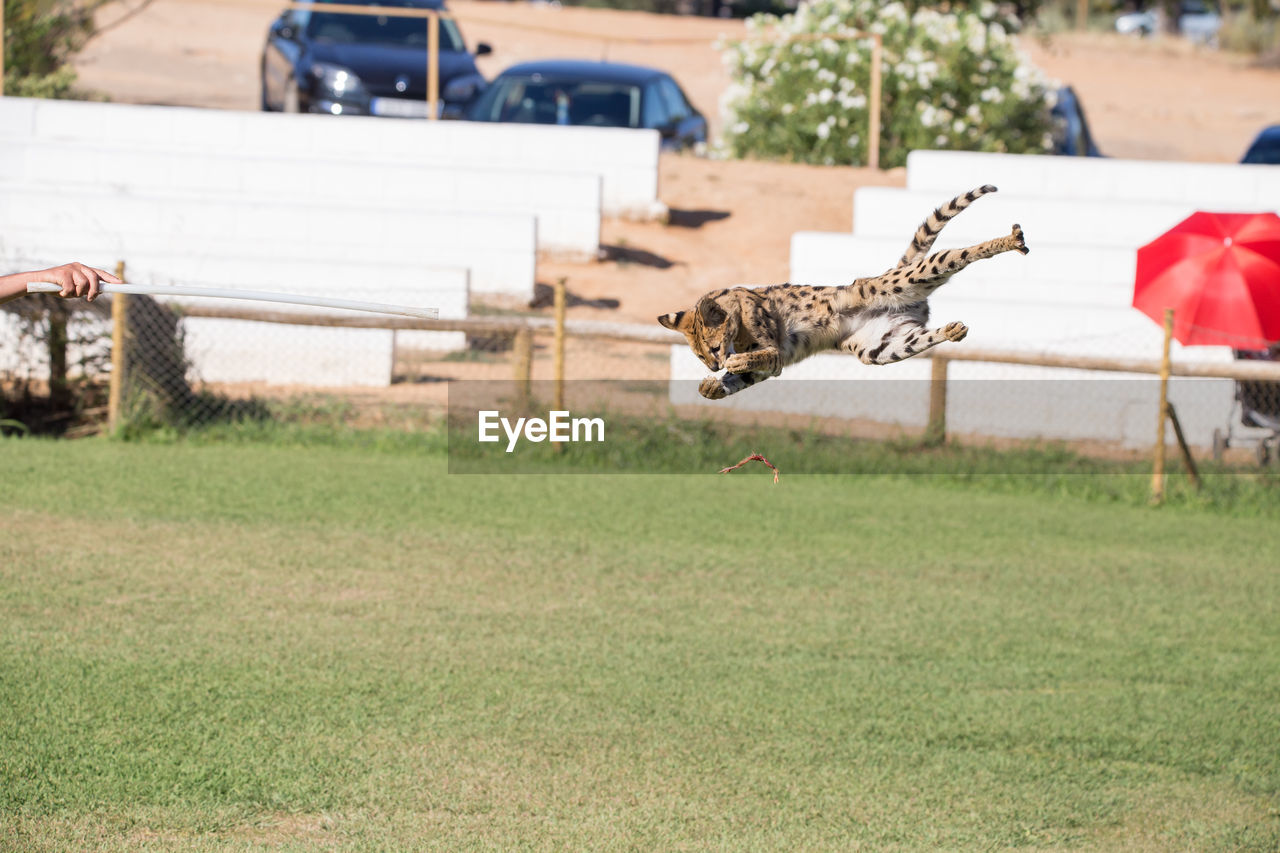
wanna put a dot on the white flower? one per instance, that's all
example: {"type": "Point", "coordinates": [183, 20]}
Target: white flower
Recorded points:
{"type": "Point", "coordinates": [823, 131]}
{"type": "Point", "coordinates": [893, 12]}
{"type": "Point", "coordinates": [825, 96]}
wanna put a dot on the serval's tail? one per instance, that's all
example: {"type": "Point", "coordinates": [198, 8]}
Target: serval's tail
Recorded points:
{"type": "Point", "coordinates": [931, 227]}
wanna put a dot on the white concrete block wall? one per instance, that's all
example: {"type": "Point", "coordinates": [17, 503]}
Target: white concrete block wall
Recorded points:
{"type": "Point", "coordinates": [1207, 186]}
{"type": "Point", "coordinates": [626, 160]}
{"type": "Point", "coordinates": [985, 400]}
{"type": "Point", "coordinates": [497, 248]}
{"type": "Point", "coordinates": [566, 205]}
{"type": "Point", "coordinates": [312, 356]}
{"type": "Point", "coordinates": [896, 213]}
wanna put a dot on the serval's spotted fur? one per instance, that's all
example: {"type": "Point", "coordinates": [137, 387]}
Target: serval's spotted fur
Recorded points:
{"type": "Point", "coordinates": [752, 333]}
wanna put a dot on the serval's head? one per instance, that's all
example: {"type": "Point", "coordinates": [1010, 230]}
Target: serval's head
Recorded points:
{"type": "Point", "coordinates": [707, 328]}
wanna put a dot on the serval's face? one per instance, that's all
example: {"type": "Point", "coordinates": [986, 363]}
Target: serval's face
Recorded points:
{"type": "Point", "coordinates": [706, 328]}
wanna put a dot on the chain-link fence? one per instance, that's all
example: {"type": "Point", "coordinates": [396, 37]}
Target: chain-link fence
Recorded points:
{"type": "Point", "coordinates": [180, 371]}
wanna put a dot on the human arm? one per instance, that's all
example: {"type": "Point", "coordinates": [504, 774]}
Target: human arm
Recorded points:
{"type": "Point", "coordinates": [76, 279]}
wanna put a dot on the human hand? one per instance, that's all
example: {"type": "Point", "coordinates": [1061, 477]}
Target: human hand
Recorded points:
{"type": "Point", "coordinates": [75, 279]}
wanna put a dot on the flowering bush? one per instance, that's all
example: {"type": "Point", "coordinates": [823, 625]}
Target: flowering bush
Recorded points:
{"type": "Point", "coordinates": [953, 80]}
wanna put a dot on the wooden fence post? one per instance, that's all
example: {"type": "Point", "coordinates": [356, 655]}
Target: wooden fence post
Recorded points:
{"type": "Point", "coordinates": [558, 352]}
{"type": "Point", "coordinates": [433, 65]}
{"type": "Point", "coordinates": [936, 431]}
{"type": "Point", "coordinates": [119, 359]}
{"type": "Point", "coordinates": [522, 366]}
{"type": "Point", "coordinates": [1157, 473]}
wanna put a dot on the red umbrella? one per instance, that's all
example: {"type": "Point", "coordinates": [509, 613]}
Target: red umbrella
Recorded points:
{"type": "Point", "coordinates": [1220, 273]}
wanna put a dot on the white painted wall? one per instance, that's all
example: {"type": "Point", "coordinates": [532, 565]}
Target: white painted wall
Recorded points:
{"type": "Point", "coordinates": [626, 160]}
{"type": "Point", "coordinates": [565, 205]}
{"type": "Point", "coordinates": [1209, 186]}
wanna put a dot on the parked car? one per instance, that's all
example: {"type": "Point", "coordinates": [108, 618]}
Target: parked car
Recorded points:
{"type": "Point", "coordinates": [1198, 22]}
{"type": "Point", "coordinates": [361, 64]}
{"type": "Point", "coordinates": [1071, 135]}
{"type": "Point", "coordinates": [598, 94]}
{"type": "Point", "coordinates": [1265, 147]}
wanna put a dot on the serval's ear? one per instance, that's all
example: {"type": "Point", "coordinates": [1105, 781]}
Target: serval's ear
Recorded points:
{"type": "Point", "coordinates": [712, 313]}
{"type": "Point", "coordinates": [672, 320]}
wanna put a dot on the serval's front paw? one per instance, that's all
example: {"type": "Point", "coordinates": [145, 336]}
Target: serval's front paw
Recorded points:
{"type": "Point", "coordinates": [1019, 243]}
{"type": "Point", "coordinates": [712, 388]}
{"type": "Point", "coordinates": [739, 362]}
{"type": "Point", "coordinates": [955, 331]}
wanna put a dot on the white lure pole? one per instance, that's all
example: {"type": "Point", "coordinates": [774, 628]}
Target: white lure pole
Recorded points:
{"type": "Point", "coordinates": [252, 295]}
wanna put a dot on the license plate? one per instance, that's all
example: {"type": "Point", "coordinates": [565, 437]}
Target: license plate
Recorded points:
{"type": "Point", "coordinates": [398, 108]}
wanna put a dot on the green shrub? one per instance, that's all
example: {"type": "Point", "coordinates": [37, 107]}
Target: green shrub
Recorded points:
{"type": "Point", "coordinates": [40, 37]}
{"type": "Point", "coordinates": [950, 80]}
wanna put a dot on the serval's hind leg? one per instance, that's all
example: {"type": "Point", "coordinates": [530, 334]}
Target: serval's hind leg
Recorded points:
{"type": "Point", "coordinates": [928, 274]}
{"type": "Point", "coordinates": [897, 339]}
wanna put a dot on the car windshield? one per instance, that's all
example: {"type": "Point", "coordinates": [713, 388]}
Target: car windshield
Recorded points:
{"type": "Point", "coordinates": [539, 100]}
{"type": "Point", "coordinates": [340, 28]}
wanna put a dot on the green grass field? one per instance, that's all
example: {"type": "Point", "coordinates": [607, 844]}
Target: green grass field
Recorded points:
{"type": "Point", "coordinates": [247, 645]}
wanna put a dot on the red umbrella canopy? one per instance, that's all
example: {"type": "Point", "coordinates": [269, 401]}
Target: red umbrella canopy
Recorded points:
{"type": "Point", "coordinates": [1220, 273]}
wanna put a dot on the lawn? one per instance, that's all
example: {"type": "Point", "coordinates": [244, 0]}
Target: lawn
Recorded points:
{"type": "Point", "coordinates": [275, 646]}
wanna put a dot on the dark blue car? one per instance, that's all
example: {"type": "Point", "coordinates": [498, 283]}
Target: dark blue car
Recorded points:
{"type": "Point", "coordinates": [597, 94]}
{"type": "Point", "coordinates": [358, 64]}
{"type": "Point", "coordinates": [1071, 134]}
{"type": "Point", "coordinates": [1265, 148]}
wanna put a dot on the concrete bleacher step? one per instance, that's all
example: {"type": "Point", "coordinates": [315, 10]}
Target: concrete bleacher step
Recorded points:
{"type": "Point", "coordinates": [1052, 273]}
{"type": "Point", "coordinates": [1098, 180]}
{"type": "Point", "coordinates": [566, 205]}
{"type": "Point", "coordinates": [626, 160]}
{"type": "Point", "coordinates": [896, 213]}
{"type": "Point", "coordinates": [498, 249]}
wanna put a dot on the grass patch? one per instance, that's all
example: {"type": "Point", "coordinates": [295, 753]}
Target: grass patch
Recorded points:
{"type": "Point", "coordinates": [297, 645]}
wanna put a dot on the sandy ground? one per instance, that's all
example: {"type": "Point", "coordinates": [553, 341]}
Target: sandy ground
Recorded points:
{"type": "Point", "coordinates": [732, 221]}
